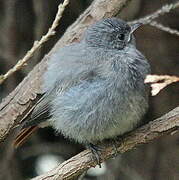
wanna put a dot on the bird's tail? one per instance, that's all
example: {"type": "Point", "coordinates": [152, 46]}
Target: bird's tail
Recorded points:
{"type": "Point", "coordinates": [24, 135]}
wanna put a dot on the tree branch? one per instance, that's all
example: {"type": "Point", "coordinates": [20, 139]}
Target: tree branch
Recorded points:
{"type": "Point", "coordinates": [164, 28]}
{"type": "Point", "coordinates": [167, 124]}
{"type": "Point", "coordinates": [158, 82]}
{"type": "Point", "coordinates": [163, 10]}
{"type": "Point", "coordinates": [149, 19]}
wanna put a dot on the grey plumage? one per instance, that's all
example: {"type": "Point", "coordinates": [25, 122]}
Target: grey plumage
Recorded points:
{"type": "Point", "coordinates": [94, 90]}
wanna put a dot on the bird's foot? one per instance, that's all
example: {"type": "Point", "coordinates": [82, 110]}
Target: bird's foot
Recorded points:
{"type": "Point", "coordinates": [96, 151]}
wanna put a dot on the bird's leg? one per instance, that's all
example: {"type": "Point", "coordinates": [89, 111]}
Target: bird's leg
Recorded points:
{"type": "Point", "coordinates": [95, 151]}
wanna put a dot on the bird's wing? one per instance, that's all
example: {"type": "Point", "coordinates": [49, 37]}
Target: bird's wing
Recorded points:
{"type": "Point", "coordinates": [41, 112]}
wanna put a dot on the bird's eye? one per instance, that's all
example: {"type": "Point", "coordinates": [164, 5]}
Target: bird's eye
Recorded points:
{"type": "Point", "coordinates": [121, 36]}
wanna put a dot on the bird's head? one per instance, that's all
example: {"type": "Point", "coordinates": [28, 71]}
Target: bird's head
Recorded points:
{"type": "Point", "coordinates": [111, 33]}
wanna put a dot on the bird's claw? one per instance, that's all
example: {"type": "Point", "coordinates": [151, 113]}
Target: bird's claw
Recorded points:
{"type": "Point", "coordinates": [96, 152]}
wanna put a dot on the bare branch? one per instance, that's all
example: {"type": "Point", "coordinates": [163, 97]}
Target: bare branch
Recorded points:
{"type": "Point", "coordinates": [159, 82]}
{"type": "Point", "coordinates": [164, 28]}
{"type": "Point", "coordinates": [163, 10]}
{"type": "Point", "coordinates": [167, 124]}
{"type": "Point", "coordinates": [37, 44]}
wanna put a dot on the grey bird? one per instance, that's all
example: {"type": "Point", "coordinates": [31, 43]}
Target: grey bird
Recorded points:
{"type": "Point", "coordinates": [94, 89]}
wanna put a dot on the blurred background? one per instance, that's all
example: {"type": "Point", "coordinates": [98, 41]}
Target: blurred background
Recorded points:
{"type": "Point", "coordinates": [22, 22]}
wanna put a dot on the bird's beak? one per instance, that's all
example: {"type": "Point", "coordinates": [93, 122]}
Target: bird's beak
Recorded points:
{"type": "Point", "coordinates": [135, 26]}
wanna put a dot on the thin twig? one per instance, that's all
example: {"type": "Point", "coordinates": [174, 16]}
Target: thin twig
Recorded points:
{"type": "Point", "coordinates": [159, 82]}
{"type": "Point", "coordinates": [163, 10]}
{"type": "Point", "coordinates": [164, 28]}
{"type": "Point", "coordinates": [37, 44]}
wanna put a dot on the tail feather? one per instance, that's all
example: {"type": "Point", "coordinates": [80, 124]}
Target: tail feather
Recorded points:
{"type": "Point", "coordinates": [24, 135]}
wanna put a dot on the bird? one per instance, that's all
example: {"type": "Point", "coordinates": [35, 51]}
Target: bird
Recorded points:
{"type": "Point", "coordinates": [94, 89]}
